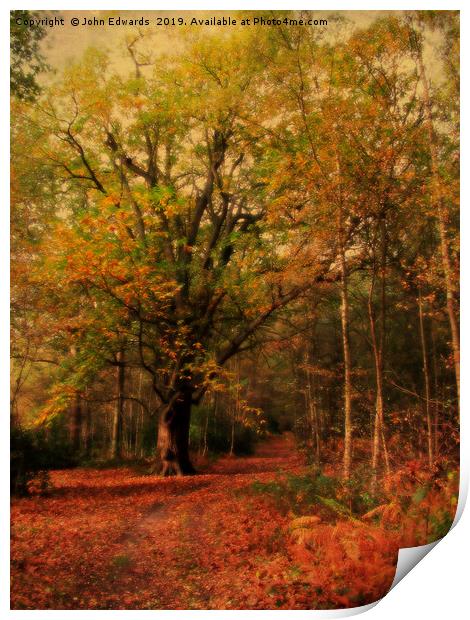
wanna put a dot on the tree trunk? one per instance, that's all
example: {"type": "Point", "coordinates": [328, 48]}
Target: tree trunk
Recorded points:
{"type": "Point", "coordinates": [204, 438]}
{"type": "Point", "coordinates": [312, 411]}
{"type": "Point", "coordinates": [344, 311]}
{"type": "Point", "coordinates": [76, 421]}
{"type": "Point", "coordinates": [438, 206]}
{"type": "Point", "coordinates": [88, 429]}
{"type": "Point", "coordinates": [436, 392]}
{"type": "Point", "coordinates": [378, 343]}
{"type": "Point", "coordinates": [76, 425]}
{"type": "Point", "coordinates": [427, 386]}
{"type": "Point", "coordinates": [235, 409]}
{"type": "Point", "coordinates": [116, 431]}
{"type": "Point", "coordinates": [173, 435]}
{"type": "Point", "coordinates": [212, 404]}
{"type": "Point", "coordinates": [139, 443]}
{"type": "Point", "coordinates": [347, 370]}
{"type": "Point", "coordinates": [377, 424]}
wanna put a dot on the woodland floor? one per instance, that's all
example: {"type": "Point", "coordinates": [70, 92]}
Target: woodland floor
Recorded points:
{"type": "Point", "coordinates": [111, 539]}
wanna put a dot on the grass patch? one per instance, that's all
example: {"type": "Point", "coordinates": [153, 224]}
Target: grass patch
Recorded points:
{"type": "Point", "coordinates": [121, 561]}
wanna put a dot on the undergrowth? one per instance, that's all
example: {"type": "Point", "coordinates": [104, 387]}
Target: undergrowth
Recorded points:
{"type": "Point", "coordinates": [417, 504]}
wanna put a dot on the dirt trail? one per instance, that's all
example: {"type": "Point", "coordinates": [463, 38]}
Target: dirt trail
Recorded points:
{"type": "Point", "coordinates": [188, 544]}
{"type": "Point", "coordinates": [111, 539]}
{"type": "Point", "coordinates": [229, 473]}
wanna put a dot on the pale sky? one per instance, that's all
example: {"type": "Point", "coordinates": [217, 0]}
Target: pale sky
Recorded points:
{"type": "Point", "coordinates": [68, 43]}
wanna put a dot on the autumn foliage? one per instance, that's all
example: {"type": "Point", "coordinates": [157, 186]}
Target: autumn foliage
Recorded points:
{"type": "Point", "coordinates": [246, 534]}
{"type": "Point", "coordinates": [234, 262]}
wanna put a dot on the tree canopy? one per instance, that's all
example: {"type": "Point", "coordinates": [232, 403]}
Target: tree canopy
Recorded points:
{"type": "Point", "coordinates": [176, 211]}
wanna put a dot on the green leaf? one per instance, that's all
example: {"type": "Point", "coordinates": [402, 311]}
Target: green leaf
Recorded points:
{"type": "Point", "coordinates": [419, 495]}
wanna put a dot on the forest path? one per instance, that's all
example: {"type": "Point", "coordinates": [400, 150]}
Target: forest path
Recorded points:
{"type": "Point", "coordinates": [191, 544]}
{"type": "Point", "coordinates": [113, 539]}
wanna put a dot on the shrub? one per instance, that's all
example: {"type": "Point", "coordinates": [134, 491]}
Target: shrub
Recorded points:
{"type": "Point", "coordinates": [32, 455]}
{"type": "Point", "coordinates": [26, 463]}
